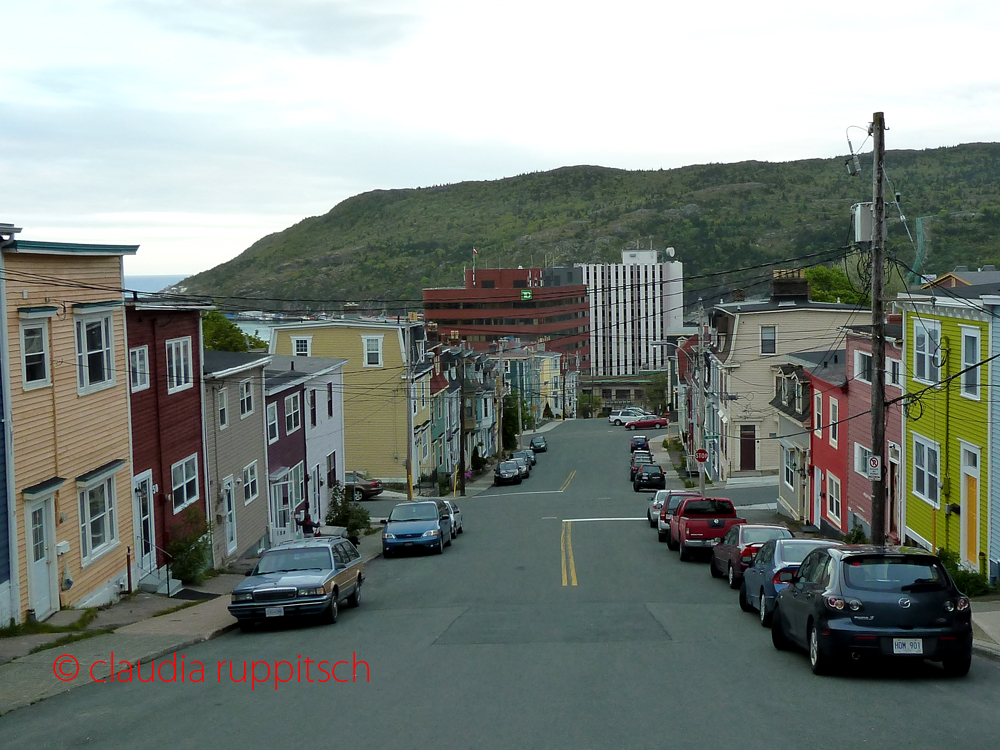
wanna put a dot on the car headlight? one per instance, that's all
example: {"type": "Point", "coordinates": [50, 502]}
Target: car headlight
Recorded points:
{"type": "Point", "coordinates": [387, 535]}
{"type": "Point", "coordinates": [432, 532]}
{"type": "Point", "coordinates": [243, 596]}
{"type": "Point", "coordinates": [316, 591]}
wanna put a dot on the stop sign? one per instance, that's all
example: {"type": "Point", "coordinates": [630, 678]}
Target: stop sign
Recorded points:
{"type": "Point", "coordinates": [701, 455]}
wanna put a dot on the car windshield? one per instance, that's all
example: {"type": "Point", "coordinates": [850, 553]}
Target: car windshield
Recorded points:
{"type": "Point", "coordinates": [753, 536]}
{"type": "Point", "coordinates": [795, 552]}
{"type": "Point", "coordinates": [414, 512]}
{"type": "Point", "coordinates": [508, 466]}
{"type": "Point", "coordinates": [283, 560]}
{"type": "Point", "coordinates": [708, 508]}
{"type": "Point", "coordinates": [894, 574]}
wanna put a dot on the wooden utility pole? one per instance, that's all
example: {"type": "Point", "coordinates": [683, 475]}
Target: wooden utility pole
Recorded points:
{"type": "Point", "coordinates": [878, 330]}
{"type": "Point", "coordinates": [461, 431]}
{"type": "Point", "coordinates": [700, 393]}
{"type": "Point", "coordinates": [501, 386]}
{"type": "Point", "coordinates": [408, 339]}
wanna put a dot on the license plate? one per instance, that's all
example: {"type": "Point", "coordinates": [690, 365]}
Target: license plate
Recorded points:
{"type": "Point", "coordinates": [907, 645]}
{"type": "Point", "coordinates": [407, 544]}
{"type": "Point", "coordinates": [274, 612]}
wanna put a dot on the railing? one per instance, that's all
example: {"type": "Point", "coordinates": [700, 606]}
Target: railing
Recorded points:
{"type": "Point", "coordinates": [170, 559]}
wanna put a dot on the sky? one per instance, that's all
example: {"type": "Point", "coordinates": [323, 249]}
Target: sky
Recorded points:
{"type": "Point", "coordinates": [195, 127]}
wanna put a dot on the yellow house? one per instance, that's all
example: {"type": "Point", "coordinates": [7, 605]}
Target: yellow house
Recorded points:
{"type": "Point", "coordinates": [66, 381]}
{"type": "Point", "coordinates": [376, 408]}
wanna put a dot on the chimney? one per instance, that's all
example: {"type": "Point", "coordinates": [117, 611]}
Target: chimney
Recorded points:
{"type": "Point", "coordinates": [739, 295]}
{"type": "Point", "coordinates": [894, 319]}
{"type": "Point", "coordinates": [351, 308]}
{"type": "Point", "coordinates": [789, 285]}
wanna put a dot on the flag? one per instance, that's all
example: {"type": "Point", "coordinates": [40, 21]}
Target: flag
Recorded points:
{"type": "Point", "coordinates": [475, 252]}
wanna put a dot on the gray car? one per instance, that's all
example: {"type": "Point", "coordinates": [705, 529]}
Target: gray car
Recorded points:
{"type": "Point", "coordinates": [672, 500]}
{"type": "Point", "coordinates": [457, 526]}
{"type": "Point", "coordinates": [522, 465]}
{"type": "Point", "coordinates": [299, 578]}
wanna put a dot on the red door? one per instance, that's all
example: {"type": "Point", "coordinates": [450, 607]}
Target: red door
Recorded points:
{"type": "Point", "coordinates": [748, 447]}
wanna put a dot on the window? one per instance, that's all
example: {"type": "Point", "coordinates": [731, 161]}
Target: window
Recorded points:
{"type": "Point", "coordinates": [329, 399]}
{"type": "Point", "coordinates": [863, 367]}
{"type": "Point", "coordinates": [272, 423]}
{"type": "Point", "coordinates": [970, 358]}
{"type": "Point", "coordinates": [834, 421]}
{"type": "Point", "coordinates": [312, 408]}
{"type": "Point", "coordinates": [818, 414]}
{"type": "Point", "coordinates": [250, 488]}
{"type": "Point", "coordinates": [788, 462]}
{"type": "Point", "coordinates": [833, 496]}
{"type": "Point", "coordinates": [302, 346]}
{"type": "Point", "coordinates": [925, 470]}
{"type": "Point", "coordinates": [184, 478]}
{"type": "Point", "coordinates": [424, 443]}
{"type": "Point", "coordinates": [768, 344]}
{"type": "Point", "coordinates": [138, 368]}
{"type": "Point", "coordinates": [246, 398]}
{"type": "Point", "coordinates": [423, 394]}
{"type": "Point", "coordinates": [293, 419]}
{"type": "Point", "coordinates": [94, 355]}
{"type": "Point", "coordinates": [861, 456]}
{"type": "Point", "coordinates": [373, 351]}
{"type": "Point", "coordinates": [926, 350]}
{"type": "Point", "coordinates": [413, 398]}
{"type": "Point", "coordinates": [223, 408]}
{"type": "Point", "coordinates": [98, 532]}
{"type": "Point", "coordinates": [799, 397]}
{"type": "Point", "coordinates": [35, 354]}
{"type": "Point", "coordinates": [894, 373]}
{"type": "Point", "coordinates": [489, 285]}
{"type": "Point", "coordinates": [179, 365]}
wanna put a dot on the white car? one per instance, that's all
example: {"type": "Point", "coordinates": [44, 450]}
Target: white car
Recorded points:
{"type": "Point", "coordinates": [620, 416]}
{"type": "Point", "coordinates": [457, 527]}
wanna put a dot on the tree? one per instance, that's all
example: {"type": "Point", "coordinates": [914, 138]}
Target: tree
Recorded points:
{"type": "Point", "coordinates": [222, 334]}
{"type": "Point", "coordinates": [658, 393]}
{"type": "Point", "coordinates": [585, 406]}
{"type": "Point", "coordinates": [831, 284]}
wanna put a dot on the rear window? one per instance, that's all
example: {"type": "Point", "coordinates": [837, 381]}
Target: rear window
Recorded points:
{"type": "Point", "coordinates": [753, 536]}
{"type": "Point", "coordinates": [652, 470]}
{"type": "Point", "coordinates": [895, 574]}
{"type": "Point", "coordinates": [708, 508]}
{"type": "Point", "coordinates": [674, 501]}
{"type": "Point", "coordinates": [796, 553]}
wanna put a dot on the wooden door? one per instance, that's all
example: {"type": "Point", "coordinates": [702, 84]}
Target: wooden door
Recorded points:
{"type": "Point", "coordinates": [748, 447]}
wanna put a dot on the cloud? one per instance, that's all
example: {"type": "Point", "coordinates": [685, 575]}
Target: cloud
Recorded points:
{"type": "Point", "coordinates": [319, 27]}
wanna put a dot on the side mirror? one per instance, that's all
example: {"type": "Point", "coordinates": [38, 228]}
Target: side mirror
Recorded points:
{"type": "Point", "coordinates": [383, 521]}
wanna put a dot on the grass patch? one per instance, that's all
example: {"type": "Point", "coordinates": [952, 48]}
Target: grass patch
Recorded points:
{"type": "Point", "coordinates": [178, 608]}
{"type": "Point", "coordinates": [71, 638]}
{"type": "Point", "coordinates": [38, 628]}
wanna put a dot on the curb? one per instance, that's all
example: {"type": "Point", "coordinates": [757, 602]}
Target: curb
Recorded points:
{"type": "Point", "coordinates": [986, 650]}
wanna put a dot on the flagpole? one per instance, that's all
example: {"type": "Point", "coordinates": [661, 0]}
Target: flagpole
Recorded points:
{"type": "Point", "coordinates": [474, 254]}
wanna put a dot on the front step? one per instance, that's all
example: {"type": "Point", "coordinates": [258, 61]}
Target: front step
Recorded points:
{"type": "Point", "coordinates": [157, 583]}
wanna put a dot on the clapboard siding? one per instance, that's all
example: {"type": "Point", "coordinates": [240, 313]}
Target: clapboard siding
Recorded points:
{"type": "Point", "coordinates": [57, 431]}
{"type": "Point", "coordinates": [994, 465]}
{"type": "Point", "coordinates": [4, 527]}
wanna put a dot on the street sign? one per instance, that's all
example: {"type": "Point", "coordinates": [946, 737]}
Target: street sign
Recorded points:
{"type": "Point", "coordinates": [701, 455]}
{"type": "Point", "coordinates": [525, 294]}
{"type": "Point", "coordinates": [874, 468]}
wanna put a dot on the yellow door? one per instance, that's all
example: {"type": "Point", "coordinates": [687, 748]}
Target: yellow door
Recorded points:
{"type": "Point", "coordinates": [971, 516]}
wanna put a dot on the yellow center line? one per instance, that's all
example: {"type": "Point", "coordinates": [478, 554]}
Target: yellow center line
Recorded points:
{"type": "Point", "coordinates": [569, 551]}
{"type": "Point", "coordinates": [568, 480]}
{"type": "Point", "coordinates": [562, 543]}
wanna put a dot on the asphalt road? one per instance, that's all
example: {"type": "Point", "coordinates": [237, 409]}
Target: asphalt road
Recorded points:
{"type": "Point", "coordinates": [489, 646]}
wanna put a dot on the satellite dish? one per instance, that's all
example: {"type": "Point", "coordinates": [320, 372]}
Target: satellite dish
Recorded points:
{"type": "Point", "coordinates": [670, 252]}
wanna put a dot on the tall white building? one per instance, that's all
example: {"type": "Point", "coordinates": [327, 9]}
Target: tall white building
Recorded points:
{"type": "Point", "coordinates": [632, 305]}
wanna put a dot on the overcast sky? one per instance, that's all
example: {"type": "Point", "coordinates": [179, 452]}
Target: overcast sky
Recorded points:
{"type": "Point", "coordinates": [195, 127]}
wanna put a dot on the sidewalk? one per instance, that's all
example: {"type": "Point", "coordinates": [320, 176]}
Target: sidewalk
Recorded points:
{"type": "Point", "coordinates": [986, 629]}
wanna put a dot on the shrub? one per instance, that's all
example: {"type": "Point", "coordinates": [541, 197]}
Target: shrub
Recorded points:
{"type": "Point", "coordinates": [969, 583]}
{"type": "Point", "coordinates": [345, 512]}
{"type": "Point", "coordinates": [190, 552]}
{"type": "Point", "coordinates": [478, 462]}
{"type": "Point", "coordinates": [856, 535]}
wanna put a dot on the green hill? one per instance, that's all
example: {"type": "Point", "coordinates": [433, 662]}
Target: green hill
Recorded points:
{"type": "Point", "coordinates": [388, 244]}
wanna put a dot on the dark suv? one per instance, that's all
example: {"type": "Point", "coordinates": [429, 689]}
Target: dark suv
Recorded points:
{"type": "Point", "coordinates": [649, 476]}
{"type": "Point", "coordinates": [863, 600]}
{"type": "Point", "coordinates": [639, 443]}
{"type": "Point", "coordinates": [639, 459]}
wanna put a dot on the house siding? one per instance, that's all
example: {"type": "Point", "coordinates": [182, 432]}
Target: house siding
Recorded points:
{"type": "Point", "coordinates": [6, 612]}
{"type": "Point", "coordinates": [325, 438]}
{"type": "Point", "coordinates": [827, 458]}
{"type": "Point", "coordinates": [994, 466]}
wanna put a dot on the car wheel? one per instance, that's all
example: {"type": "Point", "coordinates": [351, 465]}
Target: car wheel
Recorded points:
{"type": "Point", "coordinates": [440, 548]}
{"type": "Point", "coordinates": [461, 529]}
{"type": "Point", "coordinates": [354, 599]}
{"type": "Point", "coordinates": [635, 487]}
{"type": "Point", "coordinates": [957, 666]}
{"type": "Point", "coordinates": [386, 552]}
{"type": "Point", "coordinates": [618, 423]}
{"type": "Point", "coordinates": [778, 637]}
{"type": "Point", "coordinates": [661, 536]}
{"type": "Point", "coordinates": [712, 569]}
{"type": "Point", "coordinates": [331, 613]}
{"type": "Point", "coordinates": [744, 602]}
{"type": "Point", "coordinates": [765, 616]}
{"type": "Point", "coordinates": [820, 664]}
{"type": "Point", "coordinates": [683, 552]}
{"type": "Point", "coordinates": [630, 427]}
{"type": "Point", "coordinates": [734, 582]}
{"type": "Point", "coordinates": [358, 495]}
{"type": "Point", "coordinates": [246, 625]}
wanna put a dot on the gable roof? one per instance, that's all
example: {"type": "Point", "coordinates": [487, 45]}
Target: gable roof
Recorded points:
{"type": "Point", "coordinates": [223, 364]}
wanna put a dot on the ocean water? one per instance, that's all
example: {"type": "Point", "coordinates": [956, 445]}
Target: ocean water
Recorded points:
{"type": "Point", "coordinates": [151, 284]}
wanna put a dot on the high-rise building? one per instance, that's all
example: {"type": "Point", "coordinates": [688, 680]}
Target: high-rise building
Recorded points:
{"type": "Point", "coordinates": [633, 305]}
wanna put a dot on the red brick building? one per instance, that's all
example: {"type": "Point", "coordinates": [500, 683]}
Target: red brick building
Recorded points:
{"type": "Point", "coordinates": [522, 303]}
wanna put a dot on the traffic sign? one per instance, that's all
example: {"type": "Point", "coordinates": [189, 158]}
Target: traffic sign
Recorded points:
{"type": "Point", "coordinates": [526, 294]}
{"type": "Point", "coordinates": [874, 468]}
{"type": "Point", "coordinates": [701, 455]}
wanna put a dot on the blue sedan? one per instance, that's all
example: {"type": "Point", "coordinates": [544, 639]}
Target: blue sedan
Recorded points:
{"type": "Point", "coordinates": [760, 580]}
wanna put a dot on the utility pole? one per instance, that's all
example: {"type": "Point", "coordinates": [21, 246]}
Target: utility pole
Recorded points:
{"type": "Point", "coordinates": [409, 412]}
{"type": "Point", "coordinates": [563, 373]}
{"type": "Point", "coordinates": [461, 431]}
{"type": "Point", "coordinates": [501, 386]}
{"type": "Point", "coordinates": [878, 328]}
{"type": "Point", "coordinates": [700, 393]}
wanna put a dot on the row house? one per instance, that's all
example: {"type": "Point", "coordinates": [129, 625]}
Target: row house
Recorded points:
{"type": "Point", "coordinates": [420, 408]}
{"type": "Point", "coordinates": [236, 453]}
{"type": "Point", "coordinates": [792, 404]}
{"type": "Point", "coordinates": [828, 470]}
{"type": "Point", "coordinates": [69, 518]}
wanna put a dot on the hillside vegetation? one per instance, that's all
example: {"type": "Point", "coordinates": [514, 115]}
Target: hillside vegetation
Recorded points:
{"type": "Point", "coordinates": [387, 245]}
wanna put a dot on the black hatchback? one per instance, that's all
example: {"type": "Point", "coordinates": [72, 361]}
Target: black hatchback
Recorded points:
{"type": "Point", "coordinates": [854, 601]}
{"type": "Point", "coordinates": [649, 477]}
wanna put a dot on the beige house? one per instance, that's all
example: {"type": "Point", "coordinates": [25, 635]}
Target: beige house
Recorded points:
{"type": "Point", "coordinates": [66, 381]}
{"type": "Point", "coordinates": [377, 410]}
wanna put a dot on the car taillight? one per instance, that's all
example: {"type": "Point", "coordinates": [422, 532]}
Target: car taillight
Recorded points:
{"type": "Point", "coordinates": [963, 604]}
{"type": "Point", "coordinates": [748, 552]}
{"type": "Point", "coordinates": [835, 602]}
{"type": "Point", "coordinates": [776, 578]}
{"type": "Point", "coordinates": [663, 514]}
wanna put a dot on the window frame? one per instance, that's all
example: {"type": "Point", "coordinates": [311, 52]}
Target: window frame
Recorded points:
{"type": "Point", "coordinates": [272, 421]}
{"type": "Point", "coordinates": [222, 407]}
{"type": "Point", "coordinates": [834, 424]}
{"type": "Point", "coordinates": [773, 340]}
{"type": "Point", "coordinates": [293, 414]}
{"type": "Point", "coordinates": [84, 385]}
{"type": "Point", "coordinates": [43, 324]}
{"type": "Point", "coordinates": [329, 399]}
{"type": "Point", "coordinates": [133, 367]}
{"type": "Point", "coordinates": [896, 381]}
{"type": "Point", "coordinates": [859, 370]}
{"type": "Point", "coordinates": [379, 339]}
{"type": "Point", "coordinates": [965, 332]}
{"type": "Point", "coordinates": [787, 468]}
{"type": "Point", "coordinates": [251, 478]}
{"type": "Point", "coordinates": [247, 405]}
{"type": "Point", "coordinates": [186, 480]}
{"type": "Point", "coordinates": [312, 407]}
{"type": "Point", "coordinates": [861, 456]}
{"type": "Point", "coordinates": [296, 340]}
{"type": "Point", "coordinates": [928, 445]}
{"type": "Point", "coordinates": [929, 359]}
{"type": "Point", "coordinates": [818, 414]}
{"type": "Point", "coordinates": [831, 481]}
{"type": "Point", "coordinates": [89, 553]}
{"type": "Point", "coordinates": [182, 356]}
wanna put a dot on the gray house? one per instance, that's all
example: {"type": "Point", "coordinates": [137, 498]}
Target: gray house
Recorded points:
{"type": "Point", "coordinates": [236, 453]}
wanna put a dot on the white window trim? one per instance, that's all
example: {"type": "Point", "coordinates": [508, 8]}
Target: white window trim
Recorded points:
{"type": "Point", "coordinates": [94, 554]}
{"type": "Point", "coordinates": [247, 384]}
{"type": "Point", "coordinates": [246, 483]}
{"type": "Point", "coordinates": [889, 361]}
{"type": "Point", "coordinates": [965, 331]}
{"type": "Point", "coordinates": [144, 383]}
{"type": "Point", "coordinates": [760, 339]}
{"type": "Point", "coordinates": [834, 425]}
{"type": "Point", "coordinates": [932, 358]}
{"type": "Point", "coordinates": [858, 369]}
{"type": "Point", "coordinates": [197, 478]}
{"type": "Point", "coordinates": [295, 350]}
{"type": "Point", "coordinates": [936, 446]}
{"type": "Point", "coordinates": [222, 405]}
{"type": "Point", "coordinates": [785, 457]}
{"type": "Point", "coordinates": [182, 346]}
{"type": "Point", "coordinates": [829, 496]}
{"type": "Point", "coordinates": [818, 415]}
{"type": "Point", "coordinates": [364, 349]}
{"type": "Point", "coordinates": [83, 389]}
{"type": "Point", "coordinates": [272, 419]}
{"type": "Point", "coordinates": [293, 400]}
{"type": "Point", "coordinates": [42, 323]}
{"type": "Point", "coordinates": [861, 455]}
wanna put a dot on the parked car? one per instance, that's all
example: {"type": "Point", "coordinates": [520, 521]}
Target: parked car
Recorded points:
{"type": "Point", "coordinates": [507, 472]}
{"type": "Point", "coordinates": [639, 443]}
{"type": "Point", "coordinates": [523, 465]}
{"type": "Point", "coordinates": [298, 578]}
{"type": "Point", "coordinates": [639, 459]}
{"type": "Point", "coordinates": [457, 525]}
{"type": "Point", "coordinates": [701, 523]}
{"type": "Point", "coordinates": [531, 456]}
{"type": "Point", "coordinates": [538, 444]}
{"type": "Point", "coordinates": [417, 524]}
{"type": "Point", "coordinates": [667, 509]}
{"type": "Point", "coordinates": [761, 580]}
{"type": "Point", "coordinates": [736, 551]}
{"type": "Point", "coordinates": [647, 421]}
{"type": "Point", "coordinates": [526, 455]}
{"type": "Point", "coordinates": [620, 416]}
{"type": "Point", "coordinates": [862, 600]}
{"type": "Point", "coordinates": [358, 486]}
{"type": "Point", "coordinates": [649, 476]}
{"type": "Point", "coordinates": [655, 504]}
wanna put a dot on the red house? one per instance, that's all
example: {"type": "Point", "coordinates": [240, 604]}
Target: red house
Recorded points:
{"type": "Point", "coordinates": [168, 461]}
{"type": "Point", "coordinates": [828, 466]}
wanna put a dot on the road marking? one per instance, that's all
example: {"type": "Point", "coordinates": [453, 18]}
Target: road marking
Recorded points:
{"type": "Point", "coordinates": [568, 480]}
{"type": "Point", "coordinates": [638, 518]}
{"type": "Point", "coordinates": [539, 492]}
{"type": "Point", "coordinates": [549, 518]}
{"type": "Point", "coordinates": [566, 542]}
